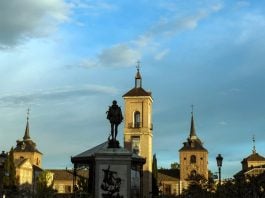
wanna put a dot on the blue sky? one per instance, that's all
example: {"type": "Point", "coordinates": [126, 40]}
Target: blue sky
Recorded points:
{"type": "Point", "coordinates": [67, 60]}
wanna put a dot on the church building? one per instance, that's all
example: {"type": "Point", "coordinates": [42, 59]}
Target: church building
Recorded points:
{"type": "Point", "coordinates": [27, 158]}
{"type": "Point", "coordinates": [193, 157]}
{"type": "Point", "coordinates": [138, 127]}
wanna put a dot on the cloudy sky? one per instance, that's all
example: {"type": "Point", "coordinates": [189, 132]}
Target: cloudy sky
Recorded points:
{"type": "Point", "coordinates": [67, 60]}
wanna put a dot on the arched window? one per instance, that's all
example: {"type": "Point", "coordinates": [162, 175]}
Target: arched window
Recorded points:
{"type": "Point", "coordinates": [137, 119]}
{"type": "Point", "coordinates": [193, 173]}
{"type": "Point", "coordinates": [193, 159]}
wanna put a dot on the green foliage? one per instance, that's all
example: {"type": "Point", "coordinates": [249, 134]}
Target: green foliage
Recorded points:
{"type": "Point", "coordinates": [45, 185]}
{"type": "Point", "coordinates": [9, 179]}
{"type": "Point", "coordinates": [199, 187]}
{"type": "Point", "coordinates": [175, 165]}
{"type": "Point", "coordinates": [244, 187]}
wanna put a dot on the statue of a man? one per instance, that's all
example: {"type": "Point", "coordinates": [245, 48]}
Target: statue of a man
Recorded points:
{"type": "Point", "coordinates": [115, 118]}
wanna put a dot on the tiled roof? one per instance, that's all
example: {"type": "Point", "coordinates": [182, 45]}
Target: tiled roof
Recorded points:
{"type": "Point", "coordinates": [92, 151]}
{"type": "Point", "coordinates": [63, 174]}
{"type": "Point", "coordinates": [19, 162]}
{"type": "Point", "coordinates": [168, 175]}
{"type": "Point", "coordinates": [249, 170]}
{"type": "Point", "coordinates": [26, 146]}
{"type": "Point", "coordinates": [194, 144]}
{"type": "Point", "coordinates": [254, 157]}
{"type": "Point", "coordinates": [88, 156]}
{"type": "Point", "coordinates": [137, 92]}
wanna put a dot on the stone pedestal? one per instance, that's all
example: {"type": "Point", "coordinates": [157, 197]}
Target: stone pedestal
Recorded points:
{"type": "Point", "coordinates": [113, 173]}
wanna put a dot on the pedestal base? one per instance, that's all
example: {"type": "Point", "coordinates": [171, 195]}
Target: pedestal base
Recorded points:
{"type": "Point", "coordinates": [113, 173]}
{"type": "Point", "coordinates": [113, 144]}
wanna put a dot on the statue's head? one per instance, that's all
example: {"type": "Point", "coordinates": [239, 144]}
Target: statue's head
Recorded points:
{"type": "Point", "coordinates": [114, 102]}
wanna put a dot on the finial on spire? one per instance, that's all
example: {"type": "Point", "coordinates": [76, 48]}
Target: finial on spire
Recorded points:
{"type": "Point", "coordinates": [28, 114]}
{"type": "Point", "coordinates": [192, 107]}
{"type": "Point", "coordinates": [138, 78]}
{"type": "Point", "coordinates": [192, 126]}
{"type": "Point", "coordinates": [254, 147]}
{"type": "Point", "coordinates": [26, 135]}
{"type": "Point", "coordinates": [138, 65]}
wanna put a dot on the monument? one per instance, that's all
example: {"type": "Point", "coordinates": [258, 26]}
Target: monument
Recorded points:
{"type": "Point", "coordinates": [115, 118]}
{"type": "Point", "coordinates": [114, 172]}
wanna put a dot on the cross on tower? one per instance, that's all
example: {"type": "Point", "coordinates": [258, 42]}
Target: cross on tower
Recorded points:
{"type": "Point", "coordinates": [28, 114]}
{"type": "Point", "coordinates": [254, 147]}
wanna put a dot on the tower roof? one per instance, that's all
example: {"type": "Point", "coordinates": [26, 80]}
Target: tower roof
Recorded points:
{"type": "Point", "coordinates": [254, 157]}
{"type": "Point", "coordinates": [26, 135]}
{"type": "Point", "coordinates": [193, 141]}
{"type": "Point", "coordinates": [137, 90]}
{"type": "Point", "coordinates": [26, 145]}
{"type": "Point", "coordinates": [192, 128]}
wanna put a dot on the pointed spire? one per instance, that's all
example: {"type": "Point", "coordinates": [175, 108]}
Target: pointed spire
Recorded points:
{"type": "Point", "coordinates": [192, 126]}
{"type": "Point", "coordinates": [26, 135]}
{"type": "Point", "coordinates": [138, 78]}
{"type": "Point", "coordinates": [254, 147]}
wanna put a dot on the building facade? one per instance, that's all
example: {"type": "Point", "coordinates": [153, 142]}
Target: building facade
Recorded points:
{"type": "Point", "coordinates": [138, 128]}
{"type": "Point", "coordinates": [252, 165]}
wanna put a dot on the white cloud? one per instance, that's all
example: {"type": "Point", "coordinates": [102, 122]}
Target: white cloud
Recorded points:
{"type": "Point", "coordinates": [251, 24]}
{"type": "Point", "coordinates": [224, 123]}
{"type": "Point", "coordinates": [25, 19]}
{"type": "Point", "coordinates": [62, 93]}
{"type": "Point", "coordinates": [170, 26]}
{"type": "Point", "coordinates": [160, 55]}
{"type": "Point", "coordinates": [127, 53]}
{"type": "Point", "coordinates": [120, 55]}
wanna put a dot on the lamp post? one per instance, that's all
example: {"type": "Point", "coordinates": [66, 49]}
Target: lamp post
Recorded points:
{"type": "Point", "coordinates": [219, 160]}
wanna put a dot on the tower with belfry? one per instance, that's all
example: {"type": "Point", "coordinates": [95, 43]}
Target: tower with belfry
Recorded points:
{"type": "Point", "coordinates": [138, 127]}
{"type": "Point", "coordinates": [193, 157]}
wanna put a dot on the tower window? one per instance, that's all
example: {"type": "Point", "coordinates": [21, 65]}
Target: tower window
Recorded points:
{"type": "Point", "coordinates": [193, 159]}
{"type": "Point", "coordinates": [136, 144]}
{"type": "Point", "coordinates": [137, 122]}
{"type": "Point", "coordinates": [193, 173]}
{"type": "Point", "coordinates": [138, 83]}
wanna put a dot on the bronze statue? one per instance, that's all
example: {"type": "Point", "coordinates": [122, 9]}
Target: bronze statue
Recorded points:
{"type": "Point", "coordinates": [115, 118]}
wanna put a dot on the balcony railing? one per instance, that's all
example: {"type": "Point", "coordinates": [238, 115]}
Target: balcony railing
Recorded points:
{"type": "Point", "coordinates": [137, 125]}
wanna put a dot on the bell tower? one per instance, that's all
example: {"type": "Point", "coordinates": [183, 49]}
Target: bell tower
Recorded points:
{"type": "Point", "coordinates": [138, 127]}
{"type": "Point", "coordinates": [27, 149]}
{"type": "Point", "coordinates": [193, 157]}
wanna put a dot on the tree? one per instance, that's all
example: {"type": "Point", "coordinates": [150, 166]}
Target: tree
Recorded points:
{"type": "Point", "coordinates": [9, 179]}
{"type": "Point", "coordinates": [155, 190]}
{"type": "Point", "coordinates": [175, 165]}
{"type": "Point", "coordinates": [45, 185]}
{"type": "Point", "coordinates": [198, 187]}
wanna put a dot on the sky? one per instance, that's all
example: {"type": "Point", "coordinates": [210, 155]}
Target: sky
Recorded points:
{"type": "Point", "coordinates": [67, 60]}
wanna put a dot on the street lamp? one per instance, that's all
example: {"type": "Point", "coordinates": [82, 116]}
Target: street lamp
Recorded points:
{"type": "Point", "coordinates": [219, 160]}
